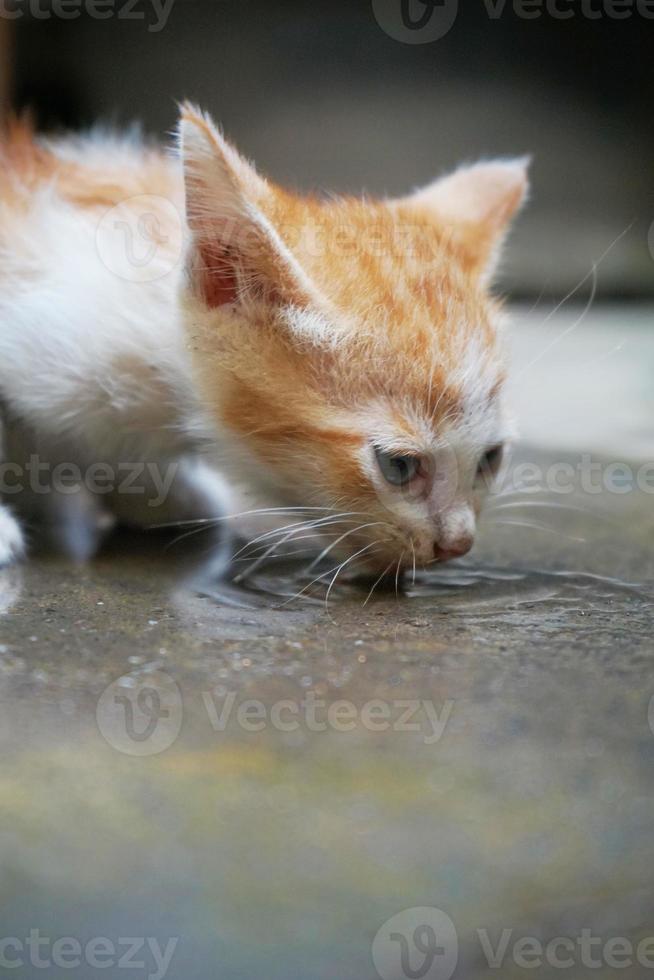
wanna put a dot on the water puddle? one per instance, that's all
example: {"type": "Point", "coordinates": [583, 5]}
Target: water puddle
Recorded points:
{"type": "Point", "coordinates": [464, 587]}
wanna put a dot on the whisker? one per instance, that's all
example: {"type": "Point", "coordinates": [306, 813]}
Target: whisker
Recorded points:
{"type": "Point", "coordinates": [243, 513]}
{"type": "Point", "coordinates": [295, 533]}
{"type": "Point", "coordinates": [602, 357]}
{"type": "Point", "coordinates": [273, 555]}
{"type": "Point", "coordinates": [329, 572]}
{"type": "Point", "coordinates": [521, 493]}
{"type": "Point", "coordinates": [347, 562]}
{"type": "Point", "coordinates": [591, 273]}
{"type": "Point", "coordinates": [361, 527]}
{"type": "Point", "coordinates": [541, 527]}
{"type": "Point", "coordinates": [535, 305]}
{"type": "Point", "coordinates": [573, 326]}
{"type": "Point", "coordinates": [295, 528]}
{"type": "Point", "coordinates": [376, 583]}
{"type": "Point", "coordinates": [397, 574]}
{"type": "Point", "coordinates": [206, 523]}
{"type": "Point", "coordinates": [548, 505]}
{"type": "Point", "coordinates": [300, 525]}
{"type": "Point", "coordinates": [286, 554]}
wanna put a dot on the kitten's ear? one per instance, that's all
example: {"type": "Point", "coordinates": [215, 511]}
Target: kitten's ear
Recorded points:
{"type": "Point", "coordinates": [478, 204]}
{"type": "Point", "coordinates": [235, 251]}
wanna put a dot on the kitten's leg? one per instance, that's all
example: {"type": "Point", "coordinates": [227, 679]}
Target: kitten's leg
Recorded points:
{"type": "Point", "coordinates": [12, 544]}
{"type": "Point", "coordinates": [59, 509]}
{"type": "Point", "coordinates": [75, 524]}
{"type": "Point", "coordinates": [185, 494]}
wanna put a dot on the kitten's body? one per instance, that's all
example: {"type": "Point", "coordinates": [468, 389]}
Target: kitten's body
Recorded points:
{"type": "Point", "coordinates": [266, 336]}
{"type": "Point", "coordinates": [93, 365]}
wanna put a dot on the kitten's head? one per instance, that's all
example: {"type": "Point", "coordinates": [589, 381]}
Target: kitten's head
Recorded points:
{"type": "Point", "coordinates": [350, 347]}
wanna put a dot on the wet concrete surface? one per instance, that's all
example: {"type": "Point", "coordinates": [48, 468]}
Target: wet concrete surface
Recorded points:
{"type": "Point", "coordinates": [266, 781]}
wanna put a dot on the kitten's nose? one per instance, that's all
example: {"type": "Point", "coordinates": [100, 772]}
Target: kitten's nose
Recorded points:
{"type": "Point", "coordinates": [454, 549]}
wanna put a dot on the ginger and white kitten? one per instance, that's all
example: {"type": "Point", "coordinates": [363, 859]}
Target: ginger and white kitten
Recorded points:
{"type": "Point", "coordinates": [335, 354]}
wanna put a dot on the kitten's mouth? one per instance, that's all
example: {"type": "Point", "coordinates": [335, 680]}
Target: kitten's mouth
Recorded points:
{"type": "Point", "coordinates": [407, 558]}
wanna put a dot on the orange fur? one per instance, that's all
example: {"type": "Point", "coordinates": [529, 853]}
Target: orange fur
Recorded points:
{"type": "Point", "coordinates": [401, 290]}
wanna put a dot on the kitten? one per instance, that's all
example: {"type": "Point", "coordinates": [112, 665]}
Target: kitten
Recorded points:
{"type": "Point", "coordinates": [339, 355]}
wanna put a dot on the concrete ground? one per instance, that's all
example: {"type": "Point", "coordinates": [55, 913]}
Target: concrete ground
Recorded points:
{"type": "Point", "coordinates": [261, 786]}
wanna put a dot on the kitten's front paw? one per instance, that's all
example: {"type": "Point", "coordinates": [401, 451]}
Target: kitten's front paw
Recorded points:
{"type": "Point", "coordinates": [12, 545]}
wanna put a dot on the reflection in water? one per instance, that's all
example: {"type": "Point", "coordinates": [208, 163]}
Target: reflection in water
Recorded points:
{"type": "Point", "coordinates": [472, 585]}
{"type": "Point", "coordinates": [11, 581]}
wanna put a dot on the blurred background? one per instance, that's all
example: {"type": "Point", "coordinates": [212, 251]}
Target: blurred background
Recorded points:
{"type": "Point", "coordinates": [345, 95]}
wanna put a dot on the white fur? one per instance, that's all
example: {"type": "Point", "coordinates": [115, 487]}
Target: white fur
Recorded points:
{"type": "Point", "coordinates": [93, 366]}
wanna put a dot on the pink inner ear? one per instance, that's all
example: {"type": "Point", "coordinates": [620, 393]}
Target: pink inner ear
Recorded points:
{"type": "Point", "coordinates": [215, 275]}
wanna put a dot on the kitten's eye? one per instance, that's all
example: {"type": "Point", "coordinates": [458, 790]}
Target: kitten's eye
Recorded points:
{"type": "Point", "coordinates": [398, 470]}
{"type": "Point", "coordinates": [490, 461]}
